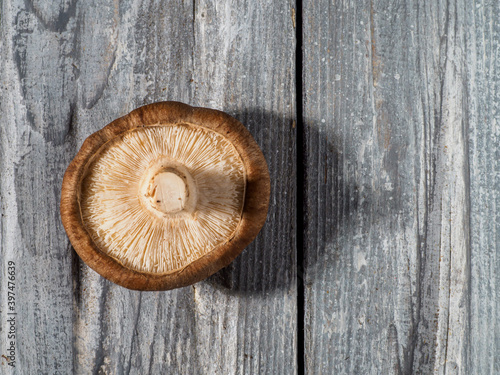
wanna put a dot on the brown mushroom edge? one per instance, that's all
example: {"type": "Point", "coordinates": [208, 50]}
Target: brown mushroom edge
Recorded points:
{"type": "Point", "coordinates": [254, 209]}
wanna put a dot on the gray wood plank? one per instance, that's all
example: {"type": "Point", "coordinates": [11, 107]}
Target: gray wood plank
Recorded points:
{"type": "Point", "coordinates": [37, 96]}
{"type": "Point", "coordinates": [484, 98]}
{"type": "Point", "coordinates": [387, 243]}
{"type": "Point", "coordinates": [70, 68]}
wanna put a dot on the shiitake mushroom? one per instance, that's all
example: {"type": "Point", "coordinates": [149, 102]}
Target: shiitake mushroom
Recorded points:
{"type": "Point", "coordinates": [165, 196]}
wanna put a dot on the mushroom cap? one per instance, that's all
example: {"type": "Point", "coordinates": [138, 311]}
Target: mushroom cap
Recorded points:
{"type": "Point", "coordinates": [163, 116]}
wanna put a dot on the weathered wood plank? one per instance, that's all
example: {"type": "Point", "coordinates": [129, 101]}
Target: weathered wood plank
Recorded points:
{"type": "Point", "coordinates": [483, 73]}
{"type": "Point", "coordinates": [386, 121]}
{"type": "Point", "coordinates": [38, 92]}
{"type": "Point", "coordinates": [69, 69]}
{"type": "Point", "coordinates": [219, 326]}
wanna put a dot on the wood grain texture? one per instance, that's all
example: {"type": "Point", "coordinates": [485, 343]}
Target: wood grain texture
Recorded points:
{"type": "Point", "coordinates": [37, 96]}
{"type": "Point", "coordinates": [483, 86]}
{"type": "Point", "coordinates": [67, 70]}
{"type": "Point", "coordinates": [401, 144]}
{"type": "Point", "coordinates": [387, 116]}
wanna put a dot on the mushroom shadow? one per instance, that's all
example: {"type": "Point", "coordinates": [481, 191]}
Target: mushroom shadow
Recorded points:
{"type": "Point", "coordinates": [283, 251]}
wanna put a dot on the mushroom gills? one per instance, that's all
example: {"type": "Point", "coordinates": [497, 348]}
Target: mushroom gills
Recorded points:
{"type": "Point", "coordinates": [157, 198]}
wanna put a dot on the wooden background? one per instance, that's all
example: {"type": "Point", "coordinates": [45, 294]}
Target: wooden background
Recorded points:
{"type": "Point", "coordinates": [378, 120]}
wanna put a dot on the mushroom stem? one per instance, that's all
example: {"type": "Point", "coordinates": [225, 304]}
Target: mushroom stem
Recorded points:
{"type": "Point", "coordinates": [170, 191]}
